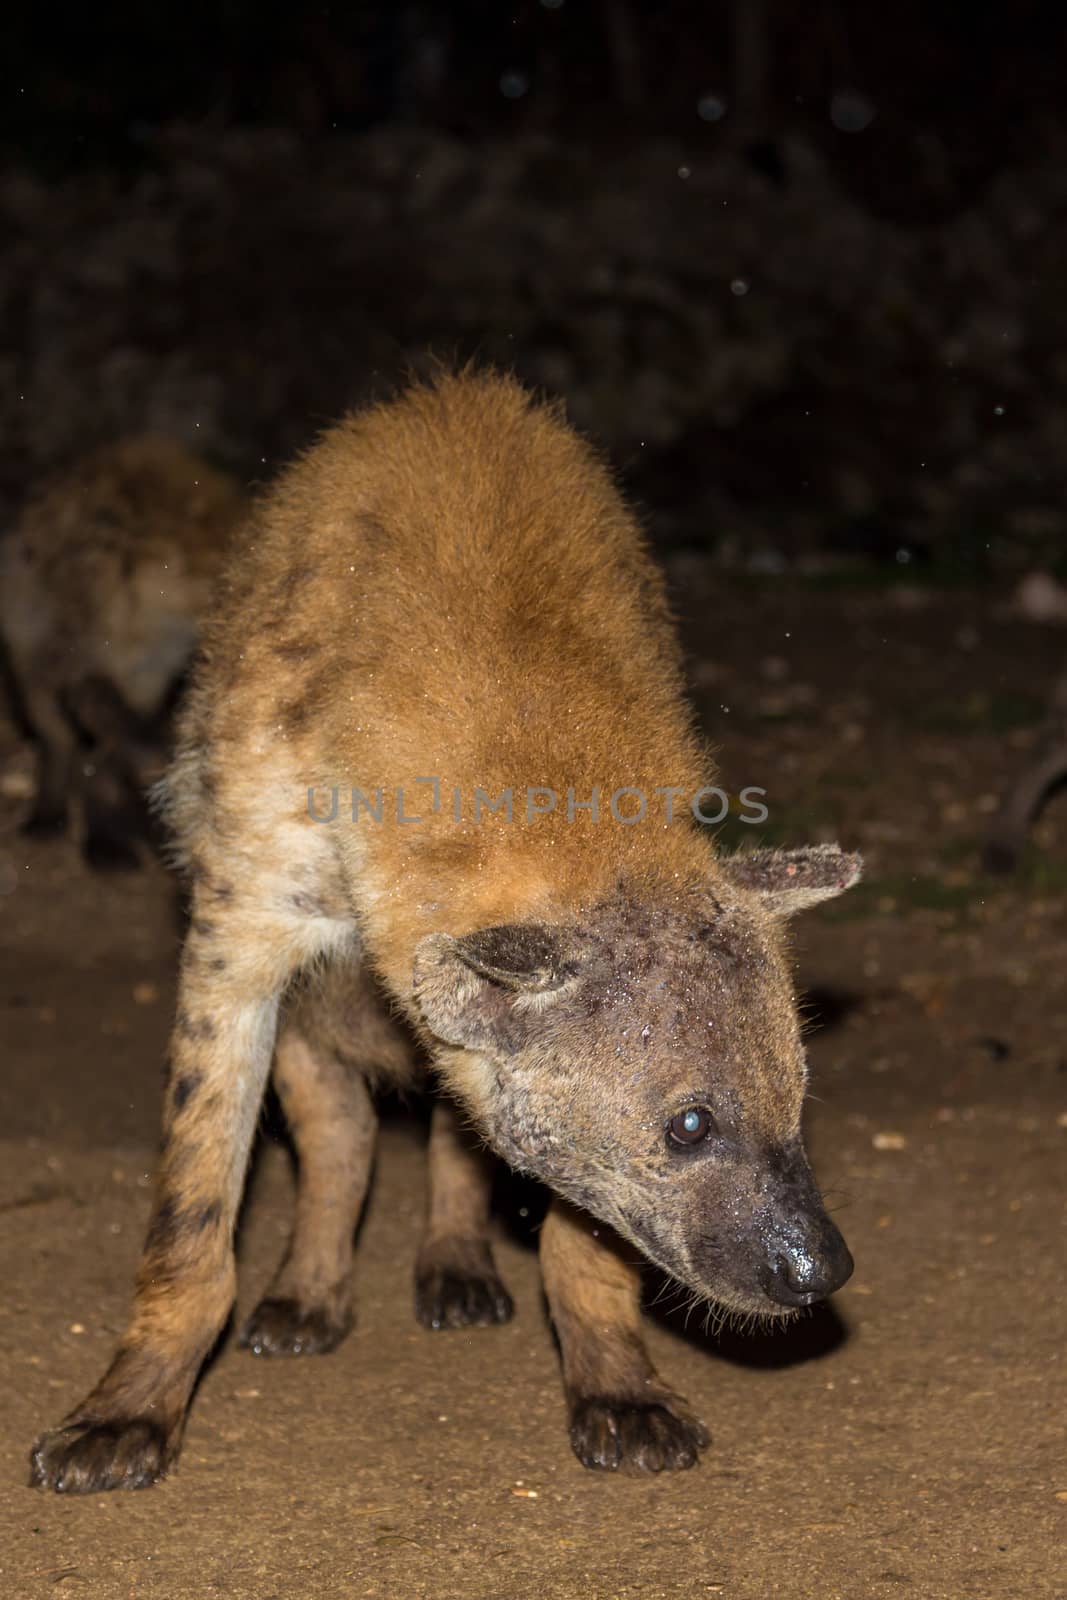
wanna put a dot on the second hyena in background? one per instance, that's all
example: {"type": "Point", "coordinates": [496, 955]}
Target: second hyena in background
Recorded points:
{"type": "Point", "coordinates": [103, 583]}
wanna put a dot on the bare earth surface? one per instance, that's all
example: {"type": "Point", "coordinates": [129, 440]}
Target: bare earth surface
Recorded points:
{"type": "Point", "coordinates": [910, 1441]}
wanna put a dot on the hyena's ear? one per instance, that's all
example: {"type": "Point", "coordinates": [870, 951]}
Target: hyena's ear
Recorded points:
{"type": "Point", "coordinates": [789, 880]}
{"type": "Point", "coordinates": [484, 989]}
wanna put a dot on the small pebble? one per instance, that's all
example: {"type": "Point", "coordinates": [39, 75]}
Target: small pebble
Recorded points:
{"type": "Point", "coordinates": [889, 1141]}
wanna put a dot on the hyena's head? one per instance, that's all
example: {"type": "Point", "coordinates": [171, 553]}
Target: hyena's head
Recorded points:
{"type": "Point", "coordinates": [646, 1062]}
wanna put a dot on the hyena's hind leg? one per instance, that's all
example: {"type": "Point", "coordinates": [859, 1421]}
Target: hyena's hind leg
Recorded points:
{"type": "Point", "coordinates": [336, 1039]}
{"type": "Point", "coordinates": [623, 1417]}
{"type": "Point", "coordinates": [245, 940]}
{"type": "Point", "coordinates": [308, 1308]}
{"type": "Point", "coordinates": [456, 1281]}
{"type": "Point", "coordinates": [126, 754]}
{"type": "Point", "coordinates": [56, 748]}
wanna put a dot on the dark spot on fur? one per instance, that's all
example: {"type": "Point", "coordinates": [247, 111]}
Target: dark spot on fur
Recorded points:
{"type": "Point", "coordinates": [203, 927]}
{"type": "Point", "coordinates": [198, 1028]}
{"type": "Point", "coordinates": [308, 905]}
{"type": "Point", "coordinates": [296, 714]}
{"type": "Point", "coordinates": [217, 964]}
{"type": "Point", "coordinates": [316, 692]}
{"type": "Point", "coordinates": [170, 1224]}
{"type": "Point", "coordinates": [292, 580]}
{"type": "Point", "coordinates": [296, 650]}
{"type": "Point", "coordinates": [164, 1227]}
{"type": "Point", "coordinates": [373, 533]}
{"type": "Point", "coordinates": [185, 1086]}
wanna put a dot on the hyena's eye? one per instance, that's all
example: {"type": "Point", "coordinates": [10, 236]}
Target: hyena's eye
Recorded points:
{"type": "Point", "coordinates": [690, 1126]}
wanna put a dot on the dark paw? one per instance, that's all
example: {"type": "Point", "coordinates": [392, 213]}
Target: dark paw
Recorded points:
{"type": "Point", "coordinates": [1000, 858]}
{"type": "Point", "coordinates": [109, 852]}
{"type": "Point", "coordinates": [44, 825]}
{"type": "Point", "coordinates": [85, 1457]}
{"type": "Point", "coordinates": [285, 1328]}
{"type": "Point", "coordinates": [628, 1436]}
{"type": "Point", "coordinates": [446, 1298]}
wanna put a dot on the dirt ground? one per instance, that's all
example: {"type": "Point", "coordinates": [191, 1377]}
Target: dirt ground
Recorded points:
{"type": "Point", "coordinates": [907, 1441]}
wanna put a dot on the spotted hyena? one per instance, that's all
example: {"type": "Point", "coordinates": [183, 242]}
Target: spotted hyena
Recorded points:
{"type": "Point", "coordinates": [104, 581]}
{"type": "Point", "coordinates": [447, 597]}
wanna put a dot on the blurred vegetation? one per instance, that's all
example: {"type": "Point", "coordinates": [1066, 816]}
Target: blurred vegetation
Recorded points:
{"type": "Point", "coordinates": [798, 271]}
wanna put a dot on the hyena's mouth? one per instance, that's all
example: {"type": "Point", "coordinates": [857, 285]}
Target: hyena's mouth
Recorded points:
{"type": "Point", "coordinates": [724, 1298]}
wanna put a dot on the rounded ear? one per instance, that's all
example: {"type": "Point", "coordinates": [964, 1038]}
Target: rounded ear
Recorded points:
{"type": "Point", "coordinates": [481, 990]}
{"type": "Point", "coordinates": [788, 881]}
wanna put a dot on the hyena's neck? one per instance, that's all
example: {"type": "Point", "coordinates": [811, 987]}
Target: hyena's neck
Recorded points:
{"type": "Point", "coordinates": [459, 883]}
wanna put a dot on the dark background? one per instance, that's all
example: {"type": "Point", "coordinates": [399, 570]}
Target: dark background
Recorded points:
{"type": "Point", "coordinates": [799, 268]}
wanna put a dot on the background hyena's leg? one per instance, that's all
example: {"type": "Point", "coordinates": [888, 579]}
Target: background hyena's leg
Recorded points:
{"type": "Point", "coordinates": [622, 1415]}
{"type": "Point", "coordinates": [456, 1282]}
{"type": "Point", "coordinates": [333, 1123]}
{"type": "Point", "coordinates": [1007, 837]}
{"type": "Point", "coordinates": [115, 775]}
{"type": "Point", "coordinates": [237, 957]}
{"type": "Point", "coordinates": [57, 755]}
{"type": "Point", "coordinates": [113, 819]}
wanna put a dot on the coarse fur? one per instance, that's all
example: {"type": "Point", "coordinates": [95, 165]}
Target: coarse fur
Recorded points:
{"type": "Point", "coordinates": [105, 579]}
{"type": "Point", "coordinates": [450, 587]}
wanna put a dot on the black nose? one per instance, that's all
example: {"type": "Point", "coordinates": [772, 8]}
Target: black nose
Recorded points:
{"type": "Point", "coordinates": [802, 1271]}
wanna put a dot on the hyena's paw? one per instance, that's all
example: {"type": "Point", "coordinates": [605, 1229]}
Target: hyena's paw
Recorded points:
{"type": "Point", "coordinates": [634, 1436]}
{"type": "Point", "coordinates": [44, 825]}
{"type": "Point", "coordinates": [1001, 857]}
{"type": "Point", "coordinates": [457, 1297]}
{"type": "Point", "coordinates": [283, 1327]}
{"type": "Point", "coordinates": [110, 852]}
{"type": "Point", "coordinates": [86, 1457]}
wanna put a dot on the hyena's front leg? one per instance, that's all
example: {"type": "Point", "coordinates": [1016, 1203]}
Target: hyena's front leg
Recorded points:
{"type": "Point", "coordinates": [56, 755]}
{"type": "Point", "coordinates": [128, 1430]}
{"type": "Point", "coordinates": [123, 762]}
{"type": "Point", "coordinates": [456, 1282]}
{"type": "Point", "coordinates": [333, 1123]}
{"type": "Point", "coordinates": [622, 1415]}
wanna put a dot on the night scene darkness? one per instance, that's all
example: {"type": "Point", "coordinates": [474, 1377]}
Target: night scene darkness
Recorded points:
{"type": "Point", "coordinates": [533, 838]}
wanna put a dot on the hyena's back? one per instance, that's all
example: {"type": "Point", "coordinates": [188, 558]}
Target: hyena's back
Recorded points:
{"type": "Point", "coordinates": [109, 569]}
{"type": "Point", "coordinates": [448, 585]}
